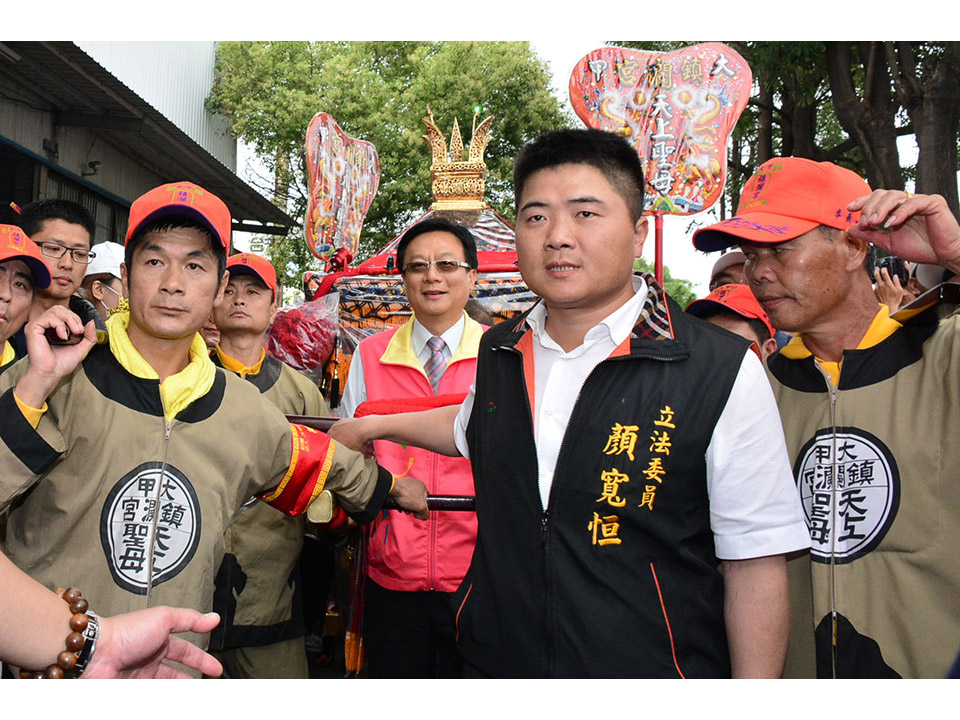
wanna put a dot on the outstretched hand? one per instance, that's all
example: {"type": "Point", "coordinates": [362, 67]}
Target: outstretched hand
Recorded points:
{"type": "Point", "coordinates": [352, 432]}
{"type": "Point", "coordinates": [134, 645]}
{"type": "Point", "coordinates": [919, 228]}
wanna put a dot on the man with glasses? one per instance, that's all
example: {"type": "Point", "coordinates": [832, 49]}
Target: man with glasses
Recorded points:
{"type": "Point", "coordinates": [414, 566]}
{"type": "Point", "coordinates": [63, 231]}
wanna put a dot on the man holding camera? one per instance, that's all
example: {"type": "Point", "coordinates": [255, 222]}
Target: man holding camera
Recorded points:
{"type": "Point", "coordinates": [876, 595]}
{"type": "Point", "coordinates": [892, 283]}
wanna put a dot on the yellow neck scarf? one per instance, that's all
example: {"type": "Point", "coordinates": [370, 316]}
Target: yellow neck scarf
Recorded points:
{"type": "Point", "coordinates": [178, 390]}
{"type": "Point", "coordinates": [8, 353]}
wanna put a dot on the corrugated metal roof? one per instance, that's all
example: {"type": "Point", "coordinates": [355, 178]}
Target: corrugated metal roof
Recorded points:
{"type": "Point", "coordinates": [76, 85]}
{"type": "Point", "coordinates": [175, 77]}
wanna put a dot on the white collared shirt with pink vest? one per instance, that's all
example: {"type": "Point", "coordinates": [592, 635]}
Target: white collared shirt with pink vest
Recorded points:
{"type": "Point", "coordinates": [407, 554]}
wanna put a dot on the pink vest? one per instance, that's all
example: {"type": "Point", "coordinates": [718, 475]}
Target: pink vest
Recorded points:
{"type": "Point", "coordinates": [407, 554]}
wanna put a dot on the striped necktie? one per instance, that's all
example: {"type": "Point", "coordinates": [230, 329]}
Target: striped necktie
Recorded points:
{"type": "Point", "coordinates": [436, 363]}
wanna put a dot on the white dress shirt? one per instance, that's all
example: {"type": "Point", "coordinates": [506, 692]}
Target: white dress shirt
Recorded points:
{"type": "Point", "coordinates": [355, 390]}
{"type": "Point", "coordinates": [754, 504]}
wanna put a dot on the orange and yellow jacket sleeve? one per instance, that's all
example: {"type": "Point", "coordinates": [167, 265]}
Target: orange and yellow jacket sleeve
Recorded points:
{"type": "Point", "coordinates": [317, 463]}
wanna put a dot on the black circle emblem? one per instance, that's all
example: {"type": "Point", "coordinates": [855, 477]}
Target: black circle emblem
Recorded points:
{"type": "Point", "coordinates": [850, 487]}
{"type": "Point", "coordinates": [144, 511]}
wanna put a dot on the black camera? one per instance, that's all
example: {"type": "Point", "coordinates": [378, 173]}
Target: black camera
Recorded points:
{"type": "Point", "coordinates": [895, 267]}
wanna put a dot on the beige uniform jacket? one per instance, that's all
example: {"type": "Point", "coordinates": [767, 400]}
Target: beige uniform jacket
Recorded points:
{"type": "Point", "coordinates": [877, 464]}
{"type": "Point", "coordinates": [88, 506]}
{"type": "Point", "coordinates": [258, 581]}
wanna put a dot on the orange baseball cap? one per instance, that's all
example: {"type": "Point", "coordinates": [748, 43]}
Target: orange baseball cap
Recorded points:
{"type": "Point", "coordinates": [250, 264]}
{"type": "Point", "coordinates": [737, 298]}
{"type": "Point", "coordinates": [784, 199]}
{"type": "Point", "coordinates": [14, 244]}
{"type": "Point", "coordinates": [182, 200]}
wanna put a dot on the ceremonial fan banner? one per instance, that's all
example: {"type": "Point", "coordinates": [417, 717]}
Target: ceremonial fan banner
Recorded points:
{"type": "Point", "coordinates": [344, 174]}
{"type": "Point", "coordinates": [677, 109]}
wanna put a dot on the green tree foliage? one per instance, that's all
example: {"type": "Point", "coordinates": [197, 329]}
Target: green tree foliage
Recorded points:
{"type": "Point", "coordinates": [926, 77]}
{"type": "Point", "coordinates": [379, 92]}
{"type": "Point", "coordinates": [679, 289]}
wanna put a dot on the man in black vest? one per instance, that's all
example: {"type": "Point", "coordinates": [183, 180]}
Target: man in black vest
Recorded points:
{"type": "Point", "coordinates": [634, 499]}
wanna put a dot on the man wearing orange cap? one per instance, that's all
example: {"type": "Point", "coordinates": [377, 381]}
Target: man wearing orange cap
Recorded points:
{"type": "Point", "coordinates": [734, 308]}
{"type": "Point", "coordinates": [877, 594]}
{"type": "Point", "coordinates": [22, 269]}
{"type": "Point", "coordinates": [129, 458]}
{"type": "Point", "coordinates": [258, 584]}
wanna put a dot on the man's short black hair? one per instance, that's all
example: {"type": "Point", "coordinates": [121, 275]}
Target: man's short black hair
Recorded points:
{"type": "Point", "coordinates": [164, 224]}
{"type": "Point", "coordinates": [438, 224]}
{"type": "Point", "coordinates": [34, 215]}
{"type": "Point", "coordinates": [610, 154]}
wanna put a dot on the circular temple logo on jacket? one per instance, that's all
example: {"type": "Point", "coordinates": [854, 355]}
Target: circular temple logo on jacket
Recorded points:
{"type": "Point", "coordinates": [145, 511]}
{"type": "Point", "coordinates": [850, 487]}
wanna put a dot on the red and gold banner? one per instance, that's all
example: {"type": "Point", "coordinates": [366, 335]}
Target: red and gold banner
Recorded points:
{"type": "Point", "coordinates": [676, 108]}
{"type": "Point", "coordinates": [344, 174]}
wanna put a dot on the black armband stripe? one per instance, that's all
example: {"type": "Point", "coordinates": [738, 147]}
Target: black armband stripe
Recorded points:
{"type": "Point", "coordinates": [384, 483]}
{"type": "Point", "coordinates": [22, 439]}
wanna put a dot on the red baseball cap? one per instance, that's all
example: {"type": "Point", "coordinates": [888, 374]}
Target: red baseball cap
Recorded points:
{"type": "Point", "coordinates": [737, 298]}
{"type": "Point", "coordinates": [250, 264]}
{"type": "Point", "coordinates": [182, 200]}
{"type": "Point", "coordinates": [784, 199]}
{"type": "Point", "coordinates": [14, 244]}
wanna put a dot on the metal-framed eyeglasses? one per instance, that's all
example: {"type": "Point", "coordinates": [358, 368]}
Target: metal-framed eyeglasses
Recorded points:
{"type": "Point", "coordinates": [444, 267]}
{"type": "Point", "coordinates": [57, 251]}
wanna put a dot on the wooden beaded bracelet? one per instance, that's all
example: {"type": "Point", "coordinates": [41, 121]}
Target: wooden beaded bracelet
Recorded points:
{"type": "Point", "coordinates": [80, 642]}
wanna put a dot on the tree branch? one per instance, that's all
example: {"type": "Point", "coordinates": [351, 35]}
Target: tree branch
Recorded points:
{"type": "Point", "coordinates": [838, 151]}
{"type": "Point", "coordinates": [903, 66]}
{"type": "Point", "coordinates": [870, 71]}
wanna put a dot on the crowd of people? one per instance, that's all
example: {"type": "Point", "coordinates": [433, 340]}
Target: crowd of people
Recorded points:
{"type": "Point", "coordinates": [727, 490]}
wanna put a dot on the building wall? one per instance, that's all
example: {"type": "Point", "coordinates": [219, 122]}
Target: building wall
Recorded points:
{"type": "Point", "coordinates": [175, 78]}
{"type": "Point", "coordinates": [39, 159]}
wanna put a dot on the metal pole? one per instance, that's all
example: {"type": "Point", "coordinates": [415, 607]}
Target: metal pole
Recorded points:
{"type": "Point", "coordinates": [658, 240]}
